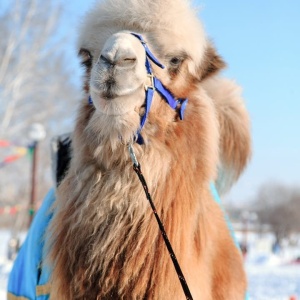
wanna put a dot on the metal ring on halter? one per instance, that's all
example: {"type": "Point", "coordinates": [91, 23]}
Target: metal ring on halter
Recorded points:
{"type": "Point", "coordinates": [131, 142]}
{"type": "Point", "coordinates": [132, 155]}
{"type": "Point", "coordinates": [152, 85]}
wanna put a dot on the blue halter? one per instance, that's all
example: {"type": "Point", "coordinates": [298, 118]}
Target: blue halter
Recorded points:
{"type": "Point", "coordinates": [156, 85]}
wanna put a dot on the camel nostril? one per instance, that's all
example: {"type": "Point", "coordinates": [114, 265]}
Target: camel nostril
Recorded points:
{"type": "Point", "coordinates": [106, 60]}
{"type": "Point", "coordinates": [130, 59]}
{"type": "Point", "coordinates": [120, 61]}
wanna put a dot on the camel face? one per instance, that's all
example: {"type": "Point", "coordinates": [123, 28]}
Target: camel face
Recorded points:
{"type": "Point", "coordinates": [119, 75]}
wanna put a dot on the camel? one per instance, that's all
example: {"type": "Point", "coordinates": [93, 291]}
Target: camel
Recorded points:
{"type": "Point", "coordinates": [103, 241]}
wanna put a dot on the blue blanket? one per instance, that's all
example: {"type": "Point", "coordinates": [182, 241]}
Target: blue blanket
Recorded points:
{"type": "Point", "coordinates": [28, 278]}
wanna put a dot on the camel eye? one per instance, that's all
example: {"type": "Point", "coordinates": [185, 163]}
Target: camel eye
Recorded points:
{"type": "Point", "coordinates": [175, 61]}
{"type": "Point", "coordinates": [85, 57]}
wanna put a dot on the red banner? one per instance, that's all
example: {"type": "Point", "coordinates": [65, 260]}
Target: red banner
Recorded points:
{"type": "Point", "coordinates": [21, 151]}
{"type": "Point", "coordinates": [10, 210]}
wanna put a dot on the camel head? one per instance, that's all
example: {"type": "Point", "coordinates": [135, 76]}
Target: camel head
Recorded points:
{"type": "Point", "coordinates": [119, 75]}
{"type": "Point", "coordinates": [115, 58]}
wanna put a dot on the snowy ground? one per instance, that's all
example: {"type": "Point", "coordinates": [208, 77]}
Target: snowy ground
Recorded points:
{"type": "Point", "coordinates": [269, 278]}
{"type": "Point", "coordinates": [5, 265]}
{"type": "Point", "coordinates": [274, 283]}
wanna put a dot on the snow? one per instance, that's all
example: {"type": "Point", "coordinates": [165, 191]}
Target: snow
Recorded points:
{"type": "Point", "coordinates": [5, 264]}
{"type": "Point", "coordinates": [270, 277]}
{"type": "Point", "coordinates": [274, 283]}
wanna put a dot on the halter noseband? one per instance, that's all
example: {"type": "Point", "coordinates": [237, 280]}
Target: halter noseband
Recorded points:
{"type": "Point", "coordinates": [156, 85]}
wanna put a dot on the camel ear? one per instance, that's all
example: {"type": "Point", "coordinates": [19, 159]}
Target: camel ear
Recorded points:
{"type": "Point", "coordinates": [85, 58]}
{"type": "Point", "coordinates": [212, 63]}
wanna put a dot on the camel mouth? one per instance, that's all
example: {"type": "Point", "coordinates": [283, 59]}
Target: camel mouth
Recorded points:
{"type": "Point", "coordinates": [109, 89]}
{"type": "Point", "coordinates": [111, 99]}
{"type": "Point", "coordinates": [108, 96]}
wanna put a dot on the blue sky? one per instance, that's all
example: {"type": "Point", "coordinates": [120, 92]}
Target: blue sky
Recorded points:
{"type": "Point", "coordinates": [260, 40]}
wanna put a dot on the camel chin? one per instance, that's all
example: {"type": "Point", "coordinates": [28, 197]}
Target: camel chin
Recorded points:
{"type": "Point", "coordinates": [119, 105]}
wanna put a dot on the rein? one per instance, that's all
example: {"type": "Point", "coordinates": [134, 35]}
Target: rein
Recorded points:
{"type": "Point", "coordinates": [138, 171]}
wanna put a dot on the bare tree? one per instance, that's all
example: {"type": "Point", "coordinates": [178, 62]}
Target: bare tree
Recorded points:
{"type": "Point", "coordinates": [35, 86]}
{"type": "Point", "coordinates": [33, 79]}
{"type": "Point", "coordinates": [279, 206]}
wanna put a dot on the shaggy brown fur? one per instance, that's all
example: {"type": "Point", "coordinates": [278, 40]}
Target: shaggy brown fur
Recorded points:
{"type": "Point", "coordinates": [103, 241]}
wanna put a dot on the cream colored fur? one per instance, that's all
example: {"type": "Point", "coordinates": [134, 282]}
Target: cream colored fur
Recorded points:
{"type": "Point", "coordinates": [103, 241]}
{"type": "Point", "coordinates": [235, 142]}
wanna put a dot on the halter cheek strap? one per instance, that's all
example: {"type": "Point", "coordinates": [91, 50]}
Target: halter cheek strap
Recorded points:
{"type": "Point", "coordinates": [156, 85]}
